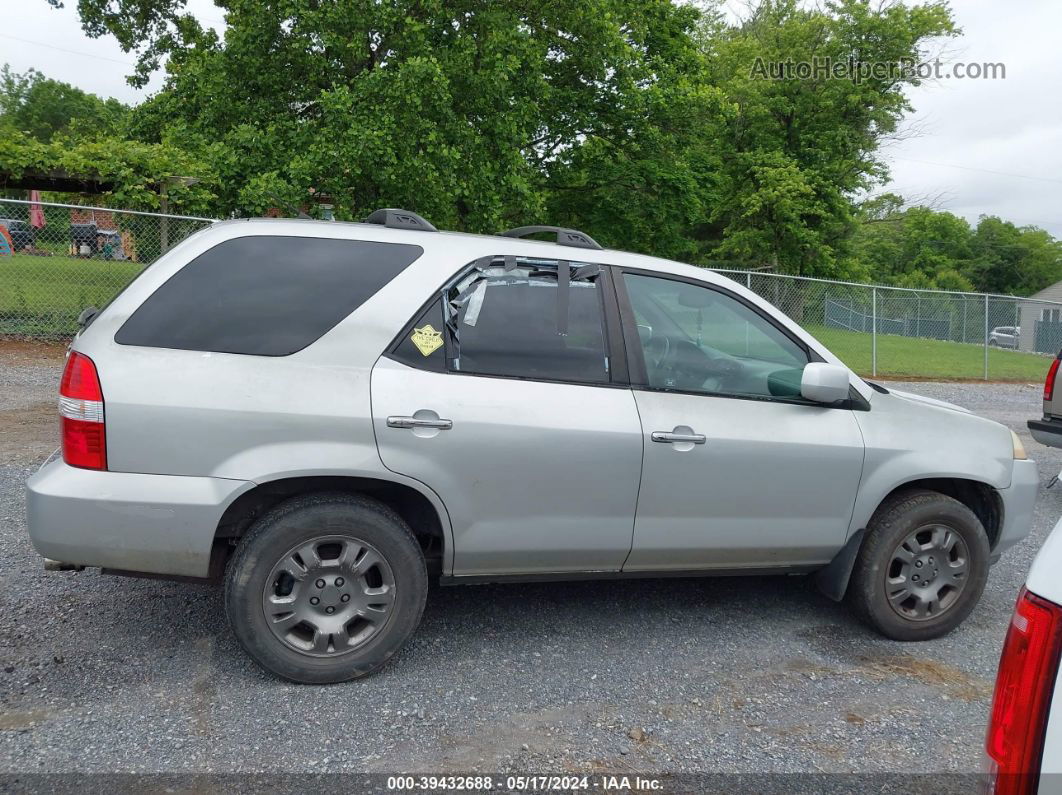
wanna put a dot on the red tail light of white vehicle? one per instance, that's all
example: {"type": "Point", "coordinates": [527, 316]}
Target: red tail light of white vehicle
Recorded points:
{"type": "Point", "coordinates": [81, 420]}
{"type": "Point", "coordinates": [1049, 382]}
{"type": "Point", "coordinates": [1022, 701]}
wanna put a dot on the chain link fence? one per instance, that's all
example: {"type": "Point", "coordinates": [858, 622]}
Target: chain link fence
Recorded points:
{"type": "Point", "coordinates": [894, 331]}
{"type": "Point", "coordinates": [56, 259]}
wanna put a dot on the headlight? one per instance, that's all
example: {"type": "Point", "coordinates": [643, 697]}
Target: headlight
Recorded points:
{"type": "Point", "coordinates": [1019, 448]}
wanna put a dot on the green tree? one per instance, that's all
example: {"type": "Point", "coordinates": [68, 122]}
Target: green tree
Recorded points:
{"type": "Point", "coordinates": [798, 148]}
{"type": "Point", "coordinates": [133, 169]}
{"type": "Point", "coordinates": [922, 247]}
{"type": "Point", "coordinates": [765, 170]}
{"type": "Point", "coordinates": [649, 183]}
{"type": "Point", "coordinates": [461, 111]}
{"type": "Point", "coordinates": [1011, 259]}
{"type": "Point", "coordinates": [42, 107]}
{"type": "Point", "coordinates": [640, 121]}
{"type": "Point", "coordinates": [912, 247]}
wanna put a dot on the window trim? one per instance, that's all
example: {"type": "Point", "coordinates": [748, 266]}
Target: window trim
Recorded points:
{"type": "Point", "coordinates": [636, 361]}
{"type": "Point", "coordinates": [613, 338]}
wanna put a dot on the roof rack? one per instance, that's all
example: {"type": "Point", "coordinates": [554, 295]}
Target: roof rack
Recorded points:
{"type": "Point", "coordinates": [400, 219]}
{"type": "Point", "coordinates": [565, 237]}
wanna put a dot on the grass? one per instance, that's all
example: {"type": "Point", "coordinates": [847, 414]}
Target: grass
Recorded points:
{"type": "Point", "coordinates": [911, 357]}
{"type": "Point", "coordinates": [42, 297]}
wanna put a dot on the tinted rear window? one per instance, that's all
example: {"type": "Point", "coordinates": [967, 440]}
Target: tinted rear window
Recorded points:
{"type": "Point", "coordinates": [268, 296]}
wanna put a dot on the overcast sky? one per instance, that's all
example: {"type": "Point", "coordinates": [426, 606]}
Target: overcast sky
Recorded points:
{"type": "Point", "coordinates": [974, 147]}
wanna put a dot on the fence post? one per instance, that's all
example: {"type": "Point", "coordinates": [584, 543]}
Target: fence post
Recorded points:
{"type": "Point", "coordinates": [164, 222]}
{"type": "Point", "coordinates": [874, 332]}
{"type": "Point", "coordinates": [986, 337]}
{"type": "Point", "coordinates": [964, 318]}
{"type": "Point", "coordinates": [748, 280]}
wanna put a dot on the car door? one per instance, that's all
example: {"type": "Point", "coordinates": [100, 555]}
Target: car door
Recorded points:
{"type": "Point", "coordinates": [739, 471]}
{"type": "Point", "coordinates": [509, 397]}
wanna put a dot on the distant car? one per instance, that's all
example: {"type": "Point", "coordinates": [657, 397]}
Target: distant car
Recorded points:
{"type": "Point", "coordinates": [22, 234]}
{"type": "Point", "coordinates": [1005, 336]}
{"type": "Point", "coordinates": [1024, 741]}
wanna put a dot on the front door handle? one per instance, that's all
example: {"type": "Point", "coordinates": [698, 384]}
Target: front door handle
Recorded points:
{"type": "Point", "coordinates": [668, 437]}
{"type": "Point", "coordinates": [417, 422]}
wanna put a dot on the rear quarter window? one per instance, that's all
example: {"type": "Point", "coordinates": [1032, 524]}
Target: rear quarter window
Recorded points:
{"type": "Point", "coordinates": [264, 295]}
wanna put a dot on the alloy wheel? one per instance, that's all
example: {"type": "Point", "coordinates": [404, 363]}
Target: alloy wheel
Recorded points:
{"type": "Point", "coordinates": [927, 572]}
{"type": "Point", "coordinates": [329, 596]}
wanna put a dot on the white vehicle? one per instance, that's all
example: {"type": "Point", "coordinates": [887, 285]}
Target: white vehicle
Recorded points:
{"type": "Point", "coordinates": [1005, 336]}
{"type": "Point", "coordinates": [1024, 742]}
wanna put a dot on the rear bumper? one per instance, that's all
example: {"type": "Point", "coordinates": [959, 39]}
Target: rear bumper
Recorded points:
{"type": "Point", "coordinates": [1047, 431]}
{"type": "Point", "coordinates": [157, 524]}
{"type": "Point", "coordinates": [1019, 501]}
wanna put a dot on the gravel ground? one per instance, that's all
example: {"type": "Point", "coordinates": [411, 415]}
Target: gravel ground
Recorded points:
{"type": "Point", "coordinates": [727, 675]}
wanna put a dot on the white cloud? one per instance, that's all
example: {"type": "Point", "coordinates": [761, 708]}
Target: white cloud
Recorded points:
{"type": "Point", "coordinates": [1011, 126]}
{"type": "Point", "coordinates": [36, 35]}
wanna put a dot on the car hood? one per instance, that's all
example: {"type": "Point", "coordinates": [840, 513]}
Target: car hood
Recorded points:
{"type": "Point", "coordinates": [927, 401]}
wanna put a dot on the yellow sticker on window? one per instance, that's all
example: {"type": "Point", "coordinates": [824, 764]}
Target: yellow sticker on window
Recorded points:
{"type": "Point", "coordinates": [427, 339]}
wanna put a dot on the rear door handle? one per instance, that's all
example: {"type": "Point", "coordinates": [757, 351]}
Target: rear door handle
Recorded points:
{"type": "Point", "coordinates": [415, 422]}
{"type": "Point", "coordinates": [668, 437]}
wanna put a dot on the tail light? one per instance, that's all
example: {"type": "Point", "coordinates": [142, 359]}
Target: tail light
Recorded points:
{"type": "Point", "coordinates": [1049, 383]}
{"type": "Point", "coordinates": [1022, 700]}
{"type": "Point", "coordinates": [81, 414]}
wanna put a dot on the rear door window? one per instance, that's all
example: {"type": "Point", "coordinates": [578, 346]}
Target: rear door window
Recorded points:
{"type": "Point", "coordinates": [523, 318]}
{"type": "Point", "coordinates": [264, 295]}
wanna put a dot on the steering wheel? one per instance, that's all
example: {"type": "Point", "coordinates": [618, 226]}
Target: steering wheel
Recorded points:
{"type": "Point", "coordinates": [682, 364]}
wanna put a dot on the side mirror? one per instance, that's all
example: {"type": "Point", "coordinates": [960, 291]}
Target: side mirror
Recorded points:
{"type": "Point", "coordinates": [824, 383]}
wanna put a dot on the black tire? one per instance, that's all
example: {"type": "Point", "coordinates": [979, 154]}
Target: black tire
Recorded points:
{"type": "Point", "coordinates": [327, 520]}
{"type": "Point", "coordinates": [895, 521]}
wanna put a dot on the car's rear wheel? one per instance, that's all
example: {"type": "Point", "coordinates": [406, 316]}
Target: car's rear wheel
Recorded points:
{"type": "Point", "coordinates": [326, 588]}
{"type": "Point", "coordinates": [922, 567]}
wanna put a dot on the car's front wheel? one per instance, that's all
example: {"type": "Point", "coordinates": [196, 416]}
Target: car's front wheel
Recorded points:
{"type": "Point", "coordinates": [326, 588]}
{"type": "Point", "coordinates": [922, 567]}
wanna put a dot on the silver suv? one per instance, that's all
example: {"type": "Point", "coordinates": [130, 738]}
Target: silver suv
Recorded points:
{"type": "Point", "coordinates": [1005, 336]}
{"type": "Point", "coordinates": [324, 415]}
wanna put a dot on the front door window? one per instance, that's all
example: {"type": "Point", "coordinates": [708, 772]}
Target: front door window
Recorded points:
{"type": "Point", "coordinates": [697, 339]}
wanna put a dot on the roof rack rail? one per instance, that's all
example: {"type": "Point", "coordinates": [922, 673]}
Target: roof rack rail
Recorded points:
{"type": "Point", "coordinates": [400, 219]}
{"type": "Point", "coordinates": [565, 237]}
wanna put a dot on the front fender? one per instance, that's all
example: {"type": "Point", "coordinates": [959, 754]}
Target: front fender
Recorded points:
{"type": "Point", "coordinates": [908, 441]}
